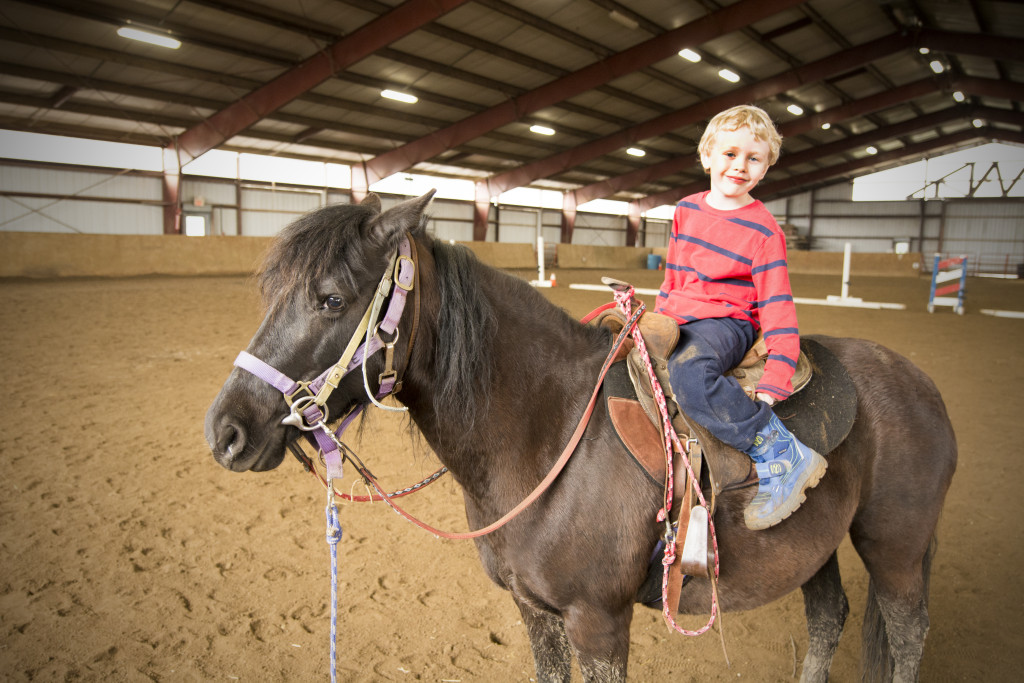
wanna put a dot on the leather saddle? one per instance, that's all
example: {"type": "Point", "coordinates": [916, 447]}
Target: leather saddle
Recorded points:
{"type": "Point", "coordinates": [820, 412]}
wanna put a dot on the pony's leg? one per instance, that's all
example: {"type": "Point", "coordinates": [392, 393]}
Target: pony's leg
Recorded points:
{"type": "Point", "coordinates": [826, 608]}
{"type": "Point", "coordinates": [552, 656]}
{"type": "Point", "coordinates": [600, 640]}
{"type": "Point", "coordinates": [896, 620]}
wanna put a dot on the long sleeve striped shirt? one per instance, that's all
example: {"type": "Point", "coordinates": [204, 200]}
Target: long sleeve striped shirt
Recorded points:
{"type": "Point", "coordinates": [733, 264]}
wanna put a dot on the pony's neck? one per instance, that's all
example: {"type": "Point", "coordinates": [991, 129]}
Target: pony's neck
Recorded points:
{"type": "Point", "coordinates": [521, 391]}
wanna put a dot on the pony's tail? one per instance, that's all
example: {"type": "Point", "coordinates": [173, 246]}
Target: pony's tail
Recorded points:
{"type": "Point", "coordinates": [876, 660]}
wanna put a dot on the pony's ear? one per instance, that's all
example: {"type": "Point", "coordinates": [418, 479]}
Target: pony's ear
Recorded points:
{"type": "Point", "coordinates": [371, 201]}
{"type": "Point", "coordinates": [400, 218]}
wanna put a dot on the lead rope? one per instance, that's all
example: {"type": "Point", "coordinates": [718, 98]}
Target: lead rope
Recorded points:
{"type": "Point", "coordinates": [624, 297]}
{"type": "Point", "coordinates": [333, 537]}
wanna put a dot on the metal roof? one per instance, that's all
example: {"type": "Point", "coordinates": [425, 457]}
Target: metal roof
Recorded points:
{"type": "Point", "coordinates": [303, 78]}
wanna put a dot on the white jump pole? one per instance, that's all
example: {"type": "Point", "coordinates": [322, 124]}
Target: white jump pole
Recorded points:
{"type": "Point", "coordinates": [845, 291]}
{"type": "Point", "coordinates": [540, 257]}
{"type": "Point", "coordinates": [541, 281]}
{"type": "Point", "coordinates": [1003, 314]}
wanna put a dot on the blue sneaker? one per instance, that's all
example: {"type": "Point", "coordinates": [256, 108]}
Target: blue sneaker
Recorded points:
{"type": "Point", "coordinates": [786, 468]}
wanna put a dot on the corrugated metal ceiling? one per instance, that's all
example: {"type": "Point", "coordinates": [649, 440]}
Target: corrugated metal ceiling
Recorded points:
{"type": "Point", "coordinates": [604, 74]}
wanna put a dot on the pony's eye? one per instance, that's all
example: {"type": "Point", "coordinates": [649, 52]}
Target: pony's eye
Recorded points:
{"type": "Point", "coordinates": [333, 303]}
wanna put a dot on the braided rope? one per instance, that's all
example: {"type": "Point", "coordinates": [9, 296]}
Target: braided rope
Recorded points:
{"type": "Point", "coordinates": [624, 299]}
{"type": "Point", "coordinates": [333, 537]}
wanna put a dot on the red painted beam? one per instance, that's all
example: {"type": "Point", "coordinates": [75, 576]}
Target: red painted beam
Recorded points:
{"type": "Point", "coordinates": [726, 20]}
{"type": "Point", "coordinates": [914, 152]}
{"type": "Point", "coordinates": [999, 48]}
{"type": "Point", "coordinates": [882, 100]}
{"type": "Point", "coordinates": [788, 80]}
{"type": "Point", "coordinates": [382, 31]}
{"type": "Point", "coordinates": [990, 87]}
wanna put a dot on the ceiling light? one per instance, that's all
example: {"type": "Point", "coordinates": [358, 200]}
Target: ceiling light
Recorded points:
{"type": "Point", "coordinates": [542, 130]}
{"type": "Point", "coordinates": [622, 19]}
{"type": "Point", "coordinates": [958, 96]}
{"type": "Point", "coordinates": [689, 55]}
{"type": "Point", "coordinates": [795, 109]}
{"type": "Point", "coordinates": [399, 96]}
{"type": "Point", "coordinates": [826, 126]}
{"type": "Point", "coordinates": [159, 39]}
{"type": "Point", "coordinates": [635, 152]}
{"type": "Point", "coordinates": [936, 66]}
{"type": "Point", "coordinates": [924, 50]}
{"type": "Point", "coordinates": [729, 75]}
{"type": "Point", "coordinates": [872, 150]}
{"type": "Point", "coordinates": [978, 123]}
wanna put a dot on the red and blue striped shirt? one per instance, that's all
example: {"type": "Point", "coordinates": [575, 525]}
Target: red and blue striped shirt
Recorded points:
{"type": "Point", "coordinates": [733, 264]}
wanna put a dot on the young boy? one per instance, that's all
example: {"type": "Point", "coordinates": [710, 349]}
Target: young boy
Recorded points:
{"type": "Point", "coordinates": [725, 278]}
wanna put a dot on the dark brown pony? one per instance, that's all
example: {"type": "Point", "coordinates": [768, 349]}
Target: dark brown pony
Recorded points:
{"type": "Point", "coordinates": [496, 381]}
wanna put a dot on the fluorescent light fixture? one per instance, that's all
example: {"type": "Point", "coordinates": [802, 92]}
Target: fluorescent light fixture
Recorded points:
{"type": "Point", "coordinates": [978, 123]}
{"type": "Point", "coordinates": [542, 130]}
{"type": "Point", "coordinates": [689, 55]}
{"type": "Point", "coordinates": [622, 19]}
{"type": "Point", "coordinates": [958, 96]}
{"type": "Point", "coordinates": [795, 109]}
{"type": "Point", "coordinates": [399, 96]}
{"type": "Point", "coordinates": [159, 39]}
{"type": "Point", "coordinates": [872, 150]}
{"type": "Point", "coordinates": [924, 50]}
{"type": "Point", "coordinates": [826, 126]}
{"type": "Point", "coordinates": [936, 66]}
{"type": "Point", "coordinates": [635, 152]}
{"type": "Point", "coordinates": [729, 75]}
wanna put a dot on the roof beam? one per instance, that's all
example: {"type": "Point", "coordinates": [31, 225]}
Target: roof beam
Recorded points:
{"type": "Point", "coordinates": [706, 28]}
{"type": "Point", "coordinates": [827, 67]}
{"type": "Point", "coordinates": [787, 80]}
{"type": "Point", "coordinates": [267, 99]}
{"type": "Point", "coordinates": [914, 152]}
{"type": "Point", "coordinates": [873, 103]}
{"type": "Point", "coordinates": [840, 146]}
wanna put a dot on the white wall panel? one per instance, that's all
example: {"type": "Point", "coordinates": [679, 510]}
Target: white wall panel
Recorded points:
{"type": "Point", "coordinates": [225, 221]}
{"type": "Point", "coordinates": [211, 191]}
{"type": "Point", "coordinates": [25, 214]}
{"type": "Point", "coordinates": [657, 232]}
{"type": "Point", "coordinates": [61, 181]}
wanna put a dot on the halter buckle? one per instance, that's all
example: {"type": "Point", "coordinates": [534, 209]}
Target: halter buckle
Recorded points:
{"type": "Point", "coordinates": [302, 387]}
{"type": "Point", "coordinates": [296, 419]}
{"type": "Point", "coordinates": [407, 286]}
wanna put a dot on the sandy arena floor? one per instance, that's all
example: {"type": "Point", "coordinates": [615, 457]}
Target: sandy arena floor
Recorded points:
{"type": "Point", "coordinates": [128, 554]}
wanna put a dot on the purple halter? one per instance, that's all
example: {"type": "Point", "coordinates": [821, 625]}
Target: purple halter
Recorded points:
{"type": "Point", "coordinates": [308, 399]}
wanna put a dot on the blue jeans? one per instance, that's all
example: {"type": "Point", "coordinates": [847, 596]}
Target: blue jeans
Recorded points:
{"type": "Point", "coordinates": [707, 349]}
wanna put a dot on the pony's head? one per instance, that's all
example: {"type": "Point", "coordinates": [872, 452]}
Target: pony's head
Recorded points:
{"type": "Point", "coordinates": [318, 281]}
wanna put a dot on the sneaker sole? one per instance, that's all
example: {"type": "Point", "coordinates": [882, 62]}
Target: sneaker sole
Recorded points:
{"type": "Point", "coordinates": [813, 476]}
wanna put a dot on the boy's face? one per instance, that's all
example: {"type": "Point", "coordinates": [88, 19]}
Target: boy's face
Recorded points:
{"type": "Point", "coordinates": [736, 161]}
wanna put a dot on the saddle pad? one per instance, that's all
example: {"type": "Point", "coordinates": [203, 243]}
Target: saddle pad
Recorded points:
{"type": "Point", "coordinates": [822, 414]}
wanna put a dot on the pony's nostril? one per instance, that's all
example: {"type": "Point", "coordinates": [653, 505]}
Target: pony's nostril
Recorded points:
{"type": "Point", "coordinates": [231, 440]}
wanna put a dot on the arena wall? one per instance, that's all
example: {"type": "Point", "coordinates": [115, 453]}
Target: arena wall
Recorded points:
{"type": "Point", "coordinates": [47, 255]}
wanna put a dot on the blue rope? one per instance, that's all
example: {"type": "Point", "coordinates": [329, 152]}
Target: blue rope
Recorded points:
{"type": "Point", "coordinates": [333, 536]}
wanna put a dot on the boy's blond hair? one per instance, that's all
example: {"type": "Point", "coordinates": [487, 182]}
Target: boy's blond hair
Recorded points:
{"type": "Point", "coordinates": [743, 116]}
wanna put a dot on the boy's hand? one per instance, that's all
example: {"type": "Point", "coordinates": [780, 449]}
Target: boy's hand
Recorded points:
{"type": "Point", "coordinates": [761, 396]}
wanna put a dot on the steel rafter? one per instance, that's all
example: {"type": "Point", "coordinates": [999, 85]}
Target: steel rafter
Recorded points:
{"type": "Point", "coordinates": [819, 175]}
{"type": "Point", "coordinates": [265, 100]}
{"type": "Point", "coordinates": [827, 67]}
{"type": "Point", "coordinates": [706, 28]}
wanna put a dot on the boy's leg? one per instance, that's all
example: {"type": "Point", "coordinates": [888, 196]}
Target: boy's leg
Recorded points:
{"type": "Point", "coordinates": [707, 349]}
{"type": "Point", "coordinates": [787, 467]}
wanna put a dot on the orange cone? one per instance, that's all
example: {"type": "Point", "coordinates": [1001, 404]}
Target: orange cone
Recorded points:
{"type": "Point", "coordinates": [554, 282]}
